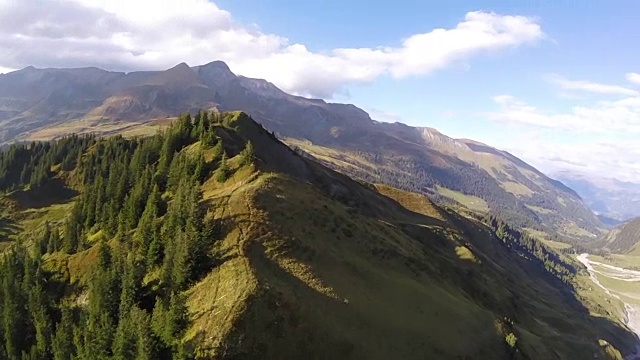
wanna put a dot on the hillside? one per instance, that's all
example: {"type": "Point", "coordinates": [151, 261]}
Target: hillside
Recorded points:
{"type": "Point", "coordinates": [424, 160]}
{"type": "Point", "coordinates": [214, 240]}
{"type": "Point", "coordinates": [624, 238]}
{"type": "Point", "coordinates": [46, 103]}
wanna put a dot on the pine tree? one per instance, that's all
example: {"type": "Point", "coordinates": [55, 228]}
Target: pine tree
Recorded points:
{"type": "Point", "coordinates": [248, 154]}
{"type": "Point", "coordinates": [223, 170]}
{"type": "Point", "coordinates": [217, 151]}
{"type": "Point", "coordinates": [62, 345]}
{"type": "Point", "coordinates": [199, 170]}
{"type": "Point", "coordinates": [155, 252]}
{"type": "Point", "coordinates": [125, 340]}
{"type": "Point", "coordinates": [146, 346]}
{"type": "Point", "coordinates": [177, 317]}
{"type": "Point", "coordinates": [72, 231]}
{"type": "Point", "coordinates": [159, 318]}
{"type": "Point", "coordinates": [45, 238]}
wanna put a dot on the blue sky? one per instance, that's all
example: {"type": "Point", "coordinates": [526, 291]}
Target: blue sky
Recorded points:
{"type": "Point", "coordinates": [583, 40]}
{"type": "Point", "coordinates": [554, 82]}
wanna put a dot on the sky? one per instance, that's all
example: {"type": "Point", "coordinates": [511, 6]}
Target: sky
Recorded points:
{"type": "Point", "coordinates": [556, 83]}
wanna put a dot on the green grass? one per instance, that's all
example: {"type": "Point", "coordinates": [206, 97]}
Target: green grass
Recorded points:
{"type": "Point", "coordinates": [572, 230]}
{"type": "Point", "coordinates": [539, 209]}
{"type": "Point", "coordinates": [290, 244]}
{"type": "Point", "coordinates": [516, 188]}
{"type": "Point", "coordinates": [629, 291]}
{"type": "Point", "coordinates": [544, 237]}
{"type": "Point", "coordinates": [474, 203]}
{"type": "Point", "coordinates": [627, 261]}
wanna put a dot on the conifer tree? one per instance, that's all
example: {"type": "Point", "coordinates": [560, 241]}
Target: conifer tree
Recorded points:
{"type": "Point", "coordinates": [248, 154]}
{"type": "Point", "coordinates": [223, 170]}
{"type": "Point", "coordinates": [62, 344]}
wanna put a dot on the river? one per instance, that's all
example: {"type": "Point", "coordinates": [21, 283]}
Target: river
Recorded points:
{"type": "Point", "coordinates": [632, 312]}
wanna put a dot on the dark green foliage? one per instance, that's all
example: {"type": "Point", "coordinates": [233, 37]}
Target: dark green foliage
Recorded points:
{"type": "Point", "coordinates": [143, 194]}
{"type": "Point", "coordinates": [30, 164]}
{"type": "Point", "coordinates": [248, 155]}
{"type": "Point", "coordinates": [223, 170]}
{"type": "Point", "coordinates": [531, 249]}
{"type": "Point", "coordinates": [26, 308]}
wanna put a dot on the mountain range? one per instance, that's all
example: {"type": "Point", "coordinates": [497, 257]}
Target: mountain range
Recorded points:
{"type": "Point", "coordinates": [610, 198]}
{"type": "Point", "coordinates": [39, 104]}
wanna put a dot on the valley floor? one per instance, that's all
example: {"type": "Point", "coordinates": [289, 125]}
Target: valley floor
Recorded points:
{"type": "Point", "coordinates": [620, 283]}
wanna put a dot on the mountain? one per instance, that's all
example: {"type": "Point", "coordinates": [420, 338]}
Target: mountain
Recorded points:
{"type": "Point", "coordinates": [624, 238]}
{"type": "Point", "coordinates": [342, 136]}
{"type": "Point", "coordinates": [214, 240]}
{"type": "Point", "coordinates": [611, 198]}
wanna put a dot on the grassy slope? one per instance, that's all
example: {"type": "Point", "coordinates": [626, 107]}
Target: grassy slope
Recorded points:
{"type": "Point", "coordinates": [315, 265]}
{"type": "Point", "coordinates": [624, 239]}
{"type": "Point", "coordinates": [513, 176]}
{"type": "Point", "coordinates": [314, 278]}
{"type": "Point", "coordinates": [337, 269]}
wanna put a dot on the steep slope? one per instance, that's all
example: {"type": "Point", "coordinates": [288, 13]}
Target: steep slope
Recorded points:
{"type": "Point", "coordinates": [611, 198]}
{"type": "Point", "coordinates": [157, 97]}
{"type": "Point", "coordinates": [308, 263]}
{"type": "Point", "coordinates": [341, 135]}
{"type": "Point", "coordinates": [624, 238]}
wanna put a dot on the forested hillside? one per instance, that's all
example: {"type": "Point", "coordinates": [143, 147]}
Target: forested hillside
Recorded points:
{"type": "Point", "coordinates": [624, 238]}
{"type": "Point", "coordinates": [138, 219]}
{"type": "Point", "coordinates": [213, 240]}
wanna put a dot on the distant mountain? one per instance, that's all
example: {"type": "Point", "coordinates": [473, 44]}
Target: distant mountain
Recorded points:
{"type": "Point", "coordinates": [610, 198]}
{"type": "Point", "coordinates": [624, 238]}
{"type": "Point", "coordinates": [45, 103]}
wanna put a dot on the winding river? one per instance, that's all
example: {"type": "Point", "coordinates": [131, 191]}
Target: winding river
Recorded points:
{"type": "Point", "coordinates": [622, 274]}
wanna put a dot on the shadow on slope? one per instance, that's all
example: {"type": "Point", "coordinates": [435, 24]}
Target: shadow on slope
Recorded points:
{"type": "Point", "coordinates": [54, 191]}
{"type": "Point", "coordinates": [316, 265]}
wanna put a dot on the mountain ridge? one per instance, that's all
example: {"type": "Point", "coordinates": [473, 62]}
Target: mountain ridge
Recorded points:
{"type": "Point", "coordinates": [624, 238]}
{"type": "Point", "coordinates": [391, 153]}
{"type": "Point", "coordinates": [289, 259]}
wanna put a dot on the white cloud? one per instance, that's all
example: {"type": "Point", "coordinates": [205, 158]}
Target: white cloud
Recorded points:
{"type": "Point", "coordinates": [608, 158]}
{"type": "Point", "coordinates": [385, 116]}
{"type": "Point", "coordinates": [592, 87]}
{"type": "Point", "coordinates": [622, 115]}
{"type": "Point", "coordinates": [4, 70]}
{"type": "Point", "coordinates": [144, 34]}
{"type": "Point", "coordinates": [633, 77]}
{"type": "Point", "coordinates": [598, 139]}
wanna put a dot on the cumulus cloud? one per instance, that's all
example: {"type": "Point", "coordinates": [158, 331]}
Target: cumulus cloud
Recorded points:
{"type": "Point", "coordinates": [608, 158]}
{"type": "Point", "coordinates": [592, 87]}
{"type": "Point", "coordinates": [141, 34]}
{"type": "Point", "coordinates": [597, 139]}
{"type": "Point", "coordinates": [621, 115]}
{"type": "Point", "coordinates": [633, 77]}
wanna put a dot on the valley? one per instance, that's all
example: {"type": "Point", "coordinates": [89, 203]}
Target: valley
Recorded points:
{"type": "Point", "coordinates": [618, 283]}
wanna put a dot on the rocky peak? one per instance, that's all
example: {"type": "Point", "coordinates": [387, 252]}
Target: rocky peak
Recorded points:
{"type": "Point", "coordinates": [215, 73]}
